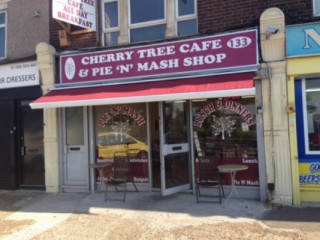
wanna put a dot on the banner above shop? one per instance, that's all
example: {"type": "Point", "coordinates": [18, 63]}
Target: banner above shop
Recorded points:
{"type": "Point", "coordinates": [220, 54]}
{"type": "Point", "coordinates": [81, 13]}
{"type": "Point", "coordinates": [19, 75]}
{"type": "Point", "coordinates": [303, 40]}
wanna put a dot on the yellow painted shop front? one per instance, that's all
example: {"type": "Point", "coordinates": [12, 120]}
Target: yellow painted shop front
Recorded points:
{"type": "Point", "coordinates": [304, 101]}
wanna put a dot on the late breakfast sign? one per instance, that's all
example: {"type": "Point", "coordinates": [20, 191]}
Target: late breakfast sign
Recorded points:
{"type": "Point", "coordinates": [202, 56]}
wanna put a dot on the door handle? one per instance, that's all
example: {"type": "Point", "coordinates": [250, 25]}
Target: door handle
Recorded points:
{"type": "Point", "coordinates": [23, 150]}
{"type": "Point", "coordinates": [176, 148]}
{"type": "Point", "coordinates": [74, 149]}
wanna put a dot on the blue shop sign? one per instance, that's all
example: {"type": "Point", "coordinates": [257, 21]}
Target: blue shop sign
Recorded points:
{"type": "Point", "coordinates": [303, 40]}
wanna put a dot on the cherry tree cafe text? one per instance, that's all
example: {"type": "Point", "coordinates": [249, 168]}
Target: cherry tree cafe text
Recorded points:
{"type": "Point", "coordinates": [201, 56]}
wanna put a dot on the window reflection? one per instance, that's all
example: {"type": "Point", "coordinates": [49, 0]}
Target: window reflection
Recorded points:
{"type": "Point", "coordinates": [175, 122]}
{"type": "Point", "coordinates": [2, 41]}
{"type": "Point", "coordinates": [186, 28]}
{"type": "Point", "coordinates": [146, 10]}
{"type": "Point", "coordinates": [2, 18]}
{"type": "Point", "coordinates": [111, 39]}
{"type": "Point", "coordinates": [186, 7]}
{"type": "Point", "coordinates": [111, 14]}
{"type": "Point", "coordinates": [225, 129]}
{"type": "Point", "coordinates": [222, 131]}
{"type": "Point", "coordinates": [122, 129]}
{"type": "Point", "coordinates": [316, 7]}
{"type": "Point", "coordinates": [313, 113]}
{"type": "Point", "coordinates": [2, 34]}
{"type": "Point", "coordinates": [74, 125]}
{"type": "Point", "coordinates": [148, 33]}
{"type": "Point", "coordinates": [147, 20]}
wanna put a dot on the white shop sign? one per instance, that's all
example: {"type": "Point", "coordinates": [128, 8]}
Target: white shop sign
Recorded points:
{"type": "Point", "coordinates": [81, 13]}
{"type": "Point", "coordinates": [19, 75]}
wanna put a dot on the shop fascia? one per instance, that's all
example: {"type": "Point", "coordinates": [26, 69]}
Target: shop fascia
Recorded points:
{"type": "Point", "coordinates": [214, 55]}
{"type": "Point", "coordinates": [19, 75]}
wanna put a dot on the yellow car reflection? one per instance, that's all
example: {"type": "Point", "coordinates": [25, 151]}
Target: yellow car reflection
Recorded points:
{"type": "Point", "coordinates": [112, 142]}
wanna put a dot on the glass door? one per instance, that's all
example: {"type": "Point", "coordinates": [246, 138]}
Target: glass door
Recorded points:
{"type": "Point", "coordinates": [175, 156]}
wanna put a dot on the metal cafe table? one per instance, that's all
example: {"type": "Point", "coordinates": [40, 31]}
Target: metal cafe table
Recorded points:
{"type": "Point", "coordinates": [100, 167]}
{"type": "Point", "coordinates": [233, 169]}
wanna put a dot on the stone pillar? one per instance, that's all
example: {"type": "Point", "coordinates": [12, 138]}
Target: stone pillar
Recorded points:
{"type": "Point", "coordinates": [123, 9]}
{"type": "Point", "coordinates": [275, 117]}
{"type": "Point", "coordinates": [171, 24]}
{"type": "Point", "coordinates": [46, 63]}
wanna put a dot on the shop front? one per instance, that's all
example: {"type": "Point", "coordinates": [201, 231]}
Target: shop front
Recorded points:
{"type": "Point", "coordinates": [163, 106]}
{"type": "Point", "coordinates": [304, 81]}
{"type": "Point", "coordinates": [21, 129]}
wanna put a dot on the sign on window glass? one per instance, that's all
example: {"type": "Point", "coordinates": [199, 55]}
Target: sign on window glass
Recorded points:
{"type": "Point", "coordinates": [122, 129]}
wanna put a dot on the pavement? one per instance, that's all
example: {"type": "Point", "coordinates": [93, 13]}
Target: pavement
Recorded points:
{"type": "Point", "coordinates": [47, 210]}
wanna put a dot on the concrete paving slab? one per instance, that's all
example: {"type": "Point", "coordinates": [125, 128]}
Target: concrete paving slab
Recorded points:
{"type": "Point", "coordinates": [46, 211]}
{"type": "Point", "coordinates": [181, 206]}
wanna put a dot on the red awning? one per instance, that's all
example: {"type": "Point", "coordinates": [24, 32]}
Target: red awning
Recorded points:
{"type": "Point", "coordinates": [192, 88]}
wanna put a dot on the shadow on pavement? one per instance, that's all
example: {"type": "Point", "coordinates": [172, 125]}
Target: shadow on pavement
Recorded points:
{"type": "Point", "coordinates": [181, 203]}
{"type": "Point", "coordinates": [293, 214]}
{"type": "Point", "coordinates": [137, 202]}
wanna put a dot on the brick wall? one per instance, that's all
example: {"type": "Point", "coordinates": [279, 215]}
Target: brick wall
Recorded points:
{"type": "Point", "coordinates": [214, 16]}
{"type": "Point", "coordinates": [221, 15]}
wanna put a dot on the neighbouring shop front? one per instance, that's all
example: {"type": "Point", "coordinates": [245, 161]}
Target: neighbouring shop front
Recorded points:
{"type": "Point", "coordinates": [21, 129]}
{"type": "Point", "coordinates": [304, 80]}
{"type": "Point", "coordinates": [162, 105]}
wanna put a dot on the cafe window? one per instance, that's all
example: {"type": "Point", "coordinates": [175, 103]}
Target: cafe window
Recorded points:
{"type": "Point", "coordinates": [3, 33]}
{"type": "Point", "coordinates": [316, 7]}
{"type": "Point", "coordinates": [122, 130]}
{"type": "Point", "coordinates": [312, 115]}
{"type": "Point", "coordinates": [225, 129]}
{"type": "Point", "coordinates": [147, 20]}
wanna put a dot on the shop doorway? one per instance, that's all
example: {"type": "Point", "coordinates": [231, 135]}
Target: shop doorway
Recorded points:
{"type": "Point", "coordinates": [170, 146]}
{"type": "Point", "coordinates": [75, 165]}
{"type": "Point", "coordinates": [31, 164]}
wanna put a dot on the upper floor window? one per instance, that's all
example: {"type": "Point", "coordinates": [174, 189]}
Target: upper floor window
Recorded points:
{"type": "Point", "coordinates": [316, 7]}
{"type": "Point", "coordinates": [3, 30]}
{"type": "Point", "coordinates": [111, 22]}
{"type": "Point", "coordinates": [186, 17]}
{"type": "Point", "coordinates": [146, 20]}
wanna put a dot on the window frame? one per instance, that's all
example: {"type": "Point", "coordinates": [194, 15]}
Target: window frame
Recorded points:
{"type": "Point", "coordinates": [110, 30]}
{"type": "Point", "coordinates": [305, 120]}
{"type": "Point", "coordinates": [4, 25]}
{"type": "Point", "coordinates": [125, 15]}
{"type": "Point", "coordinates": [314, 4]}
{"type": "Point", "coordinates": [183, 18]}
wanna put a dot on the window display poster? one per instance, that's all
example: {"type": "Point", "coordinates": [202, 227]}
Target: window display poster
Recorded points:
{"type": "Point", "coordinates": [121, 129]}
{"type": "Point", "coordinates": [249, 177]}
{"type": "Point", "coordinates": [309, 174]}
{"type": "Point", "coordinates": [226, 130]}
